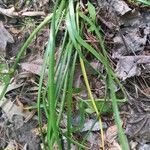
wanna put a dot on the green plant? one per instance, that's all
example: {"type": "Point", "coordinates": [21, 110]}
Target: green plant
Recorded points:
{"type": "Point", "coordinates": [57, 96]}
{"type": "Point", "coordinates": [145, 2]}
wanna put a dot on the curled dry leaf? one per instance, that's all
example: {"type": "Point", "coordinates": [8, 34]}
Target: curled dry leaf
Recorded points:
{"type": "Point", "coordinates": [43, 2]}
{"type": "Point", "coordinates": [115, 146]}
{"type": "Point", "coordinates": [25, 147]}
{"type": "Point", "coordinates": [133, 36]}
{"type": "Point", "coordinates": [12, 145]}
{"type": "Point", "coordinates": [119, 6]}
{"type": "Point", "coordinates": [110, 12]}
{"type": "Point", "coordinates": [144, 147]}
{"type": "Point", "coordinates": [89, 123]}
{"type": "Point", "coordinates": [34, 67]}
{"type": "Point", "coordinates": [33, 13]}
{"type": "Point", "coordinates": [133, 145]}
{"type": "Point", "coordinates": [132, 18]}
{"type": "Point", "coordinates": [138, 126]}
{"type": "Point", "coordinates": [134, 40]}
{"type": "Point", "coordinates": [94, 140]}
{"type": "Point", "coordinates": [111, 134]}
{"type": "Point", "coordinates": [12, 109]}
{"type": "Point", "coordinates": [129, 66]}
{"type": "Point", "coordinates": [5, 37]}
{"type": "Point", "coordinates": [10, 12]}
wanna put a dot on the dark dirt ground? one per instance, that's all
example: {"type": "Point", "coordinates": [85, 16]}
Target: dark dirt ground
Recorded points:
{"type": "Point", "coordinates": [126, 27]}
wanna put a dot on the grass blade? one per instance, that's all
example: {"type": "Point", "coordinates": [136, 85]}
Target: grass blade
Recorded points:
{"type": "Point", "coordinates": [69, 99]}
{"type": "Point", "coordinates": [52, 119]}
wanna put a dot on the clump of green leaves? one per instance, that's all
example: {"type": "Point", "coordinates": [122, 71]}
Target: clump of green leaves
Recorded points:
{"type": "Point", "coordinates": [145, 2]}
{"type": "Point", "coordinates": [57, 95]}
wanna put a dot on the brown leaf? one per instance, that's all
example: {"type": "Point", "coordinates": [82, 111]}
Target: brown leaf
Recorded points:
{"type": "Point", "coordinates": [33, 13]}
{"type": "Point", "coordinates": [32, 67]}
{"type": "Point", "coordinates": [111, 134]}
{"type": "Point", "coordinates": [129, 66]}
{"type": "Point", "coordinates": [133, 40]}
{"type": "Point", "coordinates": [5, 37]}
{"type": "Point", "coordinates": [111, 11]}
{"type": "Point", "coordinates": [10, 12]}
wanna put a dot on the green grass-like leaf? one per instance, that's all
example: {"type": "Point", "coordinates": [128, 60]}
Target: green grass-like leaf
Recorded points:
{"type": "Point", "coordinates": [145, 2]}
{"type": "Point", "coordinates": [56, 96]}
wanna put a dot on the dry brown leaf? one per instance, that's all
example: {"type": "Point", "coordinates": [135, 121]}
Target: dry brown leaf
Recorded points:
{"type": "Point", "coordinates": [115, 146]}
{"type": "Point", "coordinates": [133, 40]}
{"type": "Point", "coordinates": [5, 37]}
{"type": "Point", "coordinates": [32, 67]}
{"type": "Point", "coordinates": [43, 2]}
{"type": "Point", "coordinates": [12, 145]}
{"type": "Point", "coordinates": [138, 127]}
{"type": "Point", "coordinates": [144, 147]}
{"type": "Point", "coordinates": [110, 12]}
{"type": "Point", "coordinates": [129, 66]}
{"type": "Point", "coordinates": [88, 124]}
{"type": "Point", "coordinates": [133, 145]}
{"type": "Point", "coordinates": [94, 140]}
{"type": "Point", "coordinates": [111, 134]}
{"type": "Point", "coordinates": [10, 12]}
{"type": "Point", "coordinates": [33, 13]}
{"type": "Point", "coordinates": [25, 147]}
{"type": "Point", "coordinates": [116, 5]}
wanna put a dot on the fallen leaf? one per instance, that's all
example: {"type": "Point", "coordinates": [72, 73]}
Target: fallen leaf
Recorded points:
{"type": "Point", "coordinates": [111, 11]}
{"type": "Point", "coordinates": [10, 12]}
{"type": "Point", "coordinates": [33, 13]}
{"type": "Point", "coordinates": [12, 145]}
{"type": "Point", "coordinates": [131, 41]}
{"type": "Point", "coordinates": [132, 18]}
{"type": "Point", "coordinates": [138, 126]}
{"type": "Point", "coordinates": [129, 66]}
{"type": "Point", "coordinates": [12, 109]}
{"type": "Point", "coordinates": [43, 2]}
{"type": "Point", "coordinates": [94, 140]}
{"type": "Point", "coordinates": [25, 147]}
{"type": "Point", "coordinates": [133, 145]}
{"type": "Point", "coordinates": [119, 6]}
{"type": "Point", "coordinates": [144, 147]}
{"type": "Point", "coordinates": [89, 123]}
{"type": "Point", "coordinates": [32, 68]}
{"type": "Point", "coordinates": [5, 37]}
{"type": "Point", "coordinates": [115, 146]}
{"type": "Point", "coordinates": [111, 134]}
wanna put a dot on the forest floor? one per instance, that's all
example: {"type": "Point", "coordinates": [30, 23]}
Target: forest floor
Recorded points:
{"type": "Point", "coordinates": [126, 32]}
